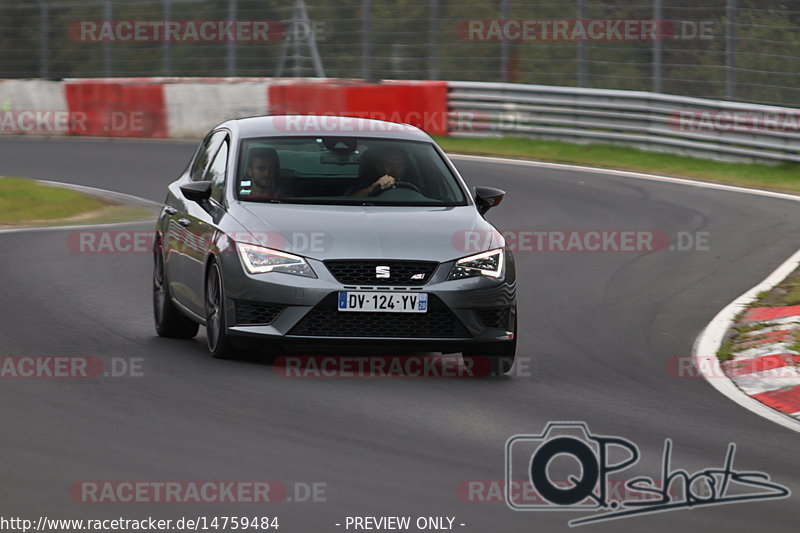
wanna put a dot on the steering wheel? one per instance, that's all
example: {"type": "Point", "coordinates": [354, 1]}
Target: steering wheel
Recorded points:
{"type": "Point", "coordinates": [407, 185]}
{"type": "Point", "coordinates": [397, 184]}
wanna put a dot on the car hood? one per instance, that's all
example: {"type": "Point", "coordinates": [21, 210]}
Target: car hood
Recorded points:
{"type": "Point", "coordinates": [370, 232]}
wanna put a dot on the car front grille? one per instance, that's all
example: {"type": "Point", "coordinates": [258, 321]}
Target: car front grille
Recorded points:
{"type": "Point", "coordinates": [494, 317]}
{"type": "Point", "coordinates": [325, 320]}
{"type": "Point", "coordinates": [363, 272]}
{"type": "Point", "coordinates": [256, 314]}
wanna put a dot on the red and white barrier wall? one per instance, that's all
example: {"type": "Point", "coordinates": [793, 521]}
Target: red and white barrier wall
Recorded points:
{"type": "Point", "coordinates": [189, 107]}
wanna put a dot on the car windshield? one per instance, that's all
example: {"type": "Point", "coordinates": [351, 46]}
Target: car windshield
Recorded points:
{"type": "Point", "coordinates": [346, 171]}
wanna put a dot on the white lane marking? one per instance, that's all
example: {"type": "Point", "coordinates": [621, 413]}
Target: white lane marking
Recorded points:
{"type": "Point", "coordinates": [98, 192]}
{"type": "Point", "coordinates": [709, 341]}
{"type": "Point", "coordinates": [631, 174]}
{"type": "Point", "coordinates": [82, 226]}
{"type": "Point", "coordinates": [103, 192]}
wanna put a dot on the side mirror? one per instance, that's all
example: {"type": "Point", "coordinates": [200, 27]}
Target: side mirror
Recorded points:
{"type": "Point", "coordinates": [197, 191]}
{"type": "Point", "coordinates": [488, 197]}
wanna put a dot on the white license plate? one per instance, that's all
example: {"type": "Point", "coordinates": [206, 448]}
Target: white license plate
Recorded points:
{"type": "Point", "coordinates": [384, 302]}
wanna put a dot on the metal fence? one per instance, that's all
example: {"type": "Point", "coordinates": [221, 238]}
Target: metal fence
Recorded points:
{"type": "Point", "coordinates": [741, 50]}
{"type": "Point", "coordinates": [692, 126]}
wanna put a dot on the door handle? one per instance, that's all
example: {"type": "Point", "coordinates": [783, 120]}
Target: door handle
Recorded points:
{"type": "Point", "coordinates": [170, 210]}
{"type": "Point", "coordinates": [184, 222]}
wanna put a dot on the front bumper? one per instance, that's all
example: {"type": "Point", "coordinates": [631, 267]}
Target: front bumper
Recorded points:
{"type": "Point", "coordinates": [298, 310]}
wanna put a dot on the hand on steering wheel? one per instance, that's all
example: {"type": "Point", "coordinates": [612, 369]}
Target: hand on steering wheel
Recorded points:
{"type": "Point", "coordinates": [383, 183]}
{"type": "Point", "coordinates": [391, 183]}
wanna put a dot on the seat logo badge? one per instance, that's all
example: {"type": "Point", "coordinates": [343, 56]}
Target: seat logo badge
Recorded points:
{"type": "Point", "coordinates": [418, 276]}
{"type": "Point", "coordinates": [381, 271]}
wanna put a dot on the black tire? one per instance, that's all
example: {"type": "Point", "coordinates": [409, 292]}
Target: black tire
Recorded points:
{"type": "Point", "coordinates": [219, 342]}
{"type": "Point", "coordinates": [169, 321]}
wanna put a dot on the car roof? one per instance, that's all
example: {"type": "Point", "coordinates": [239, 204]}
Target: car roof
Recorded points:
{"type": "Point", "coordinates": [302, 125]}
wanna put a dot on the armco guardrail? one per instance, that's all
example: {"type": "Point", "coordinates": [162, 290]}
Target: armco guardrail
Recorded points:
{"type": "Point", "coordinates": [189, 107]}
{"type": "Point", "coordinates": [661, 122]}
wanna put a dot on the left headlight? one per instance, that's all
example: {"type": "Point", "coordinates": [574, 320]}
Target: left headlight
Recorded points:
{"type": "Point", "coordinates": [491, 263]}
{"type": "Point", "coordinates": [258, 260]}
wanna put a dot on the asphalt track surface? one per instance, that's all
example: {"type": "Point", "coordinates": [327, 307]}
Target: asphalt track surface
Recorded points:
{"type": "Point", "coordinates": [597, 331]}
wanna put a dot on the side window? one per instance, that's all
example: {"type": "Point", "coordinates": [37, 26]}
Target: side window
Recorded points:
{"type": "Point", "coordinates": [217, 171]}
{"type": "Point", "coordinates": [207, 150]}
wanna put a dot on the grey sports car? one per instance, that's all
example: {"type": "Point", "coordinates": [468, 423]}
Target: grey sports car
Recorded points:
{"type": "Point", "coordinates": [304, 230]}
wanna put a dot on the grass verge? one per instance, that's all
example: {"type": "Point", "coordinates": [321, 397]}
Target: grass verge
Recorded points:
{"type": "Point", "coordinates": [25, 202]}
{"type": "Point", "coordinates": [781, 177]}
{"type": "Point", "coordinates": [786, 293]}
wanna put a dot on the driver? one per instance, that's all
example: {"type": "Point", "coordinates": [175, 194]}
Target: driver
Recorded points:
{"type": "Point", "coordinates": [391, 167]}
{"type": "Point", "coordinates": [263, 171]}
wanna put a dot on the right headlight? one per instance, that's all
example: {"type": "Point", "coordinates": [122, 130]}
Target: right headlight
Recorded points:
{"type": "Point", "coordinates": [258, 260]}
{"type": "Point", "coordinates": [491, 263]}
